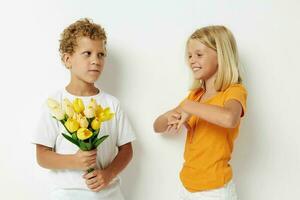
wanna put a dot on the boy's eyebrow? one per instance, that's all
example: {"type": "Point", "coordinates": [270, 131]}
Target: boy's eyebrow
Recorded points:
{"type": "Point", "coordinates": [99, 52]}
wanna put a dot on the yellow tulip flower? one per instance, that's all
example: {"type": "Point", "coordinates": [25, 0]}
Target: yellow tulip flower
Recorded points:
{"type": "Point", "coordinates": [89, 112]}
{"type": "Point", "coordinates": [84, 133]}
{"type": "Point", "coordinates": [96, 124]}
{"type": "Point", "coordinates": [105, 115]}
{"type": "Point", "coordinates": [83, 122]}
{"type": "Point", "coordinates": [67, 103]}
{"type": "Point", "coordinates": [72, 125]}
{"type": "Point", "coordinates": [69, 111]}
{"type": "Point", "coordinates": [98, 110]}
{"type": "Point", "coordinates": [58, 113]}
{"type": "Point", "coordinates": [78, 105]}
{"type": "Point", "coordinates": [52, 103]}
{"type": "Point", "coordinates": [93, 104]}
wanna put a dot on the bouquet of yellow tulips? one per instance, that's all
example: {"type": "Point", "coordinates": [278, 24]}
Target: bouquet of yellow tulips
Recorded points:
{"type": "Point", "coordinates": [82, 123]}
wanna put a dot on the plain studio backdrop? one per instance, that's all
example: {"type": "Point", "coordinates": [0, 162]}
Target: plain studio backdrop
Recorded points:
{"type": "Point", "coordinates": [146, 71]}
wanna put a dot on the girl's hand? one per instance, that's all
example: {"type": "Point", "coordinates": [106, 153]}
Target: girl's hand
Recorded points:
{"type": "Point", "coordinates": [183, 120]}
{"type": "Point", "coordinates": [173, 119]}
{"type": "Point", "coordinates": [98, 179]}
{"type": "Point", "coordinates": [85, 160]}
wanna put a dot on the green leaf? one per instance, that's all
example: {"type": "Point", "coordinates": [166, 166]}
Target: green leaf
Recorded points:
{"type": "Point", "coordinates": [82, 146]}
{"type": "Point", "coordinates": [89, 146]}
{"type": "Point", "coordinates": [94, 136]}
{"type": "Point", "coordinates": [74, 136]}
{"type": "Point", "coordinates": [90, 170]}
{"type": "Point", "coordinates": [97, 142]}
{"type": "Point", "coordinates": [71, 139]}
{"type": "Point", "coordinates": [90, 119]}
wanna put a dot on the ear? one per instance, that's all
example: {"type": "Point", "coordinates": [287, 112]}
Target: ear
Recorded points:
{"type": "Point", "coordinates": [67, 60]}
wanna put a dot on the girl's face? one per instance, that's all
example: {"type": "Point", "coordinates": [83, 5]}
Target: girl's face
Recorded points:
{"type": "Point", "coordinates": [86, 63]}
{"type": "Point", "coordinates": [202, 60]}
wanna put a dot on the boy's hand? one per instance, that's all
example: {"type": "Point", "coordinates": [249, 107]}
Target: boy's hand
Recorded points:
{"type": "Point", "coordinates": [85, 159]}
{"type": "Point", "coordinates": [98, 179]}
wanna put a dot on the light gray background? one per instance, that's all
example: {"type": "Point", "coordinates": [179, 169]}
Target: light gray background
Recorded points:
{"type": "Point", "coordinates": [145, 69]}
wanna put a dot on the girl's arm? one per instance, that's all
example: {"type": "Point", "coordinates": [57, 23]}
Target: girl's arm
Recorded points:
{"type": "Point", "coordinates": [227, 116]}
{"type": "Point", "coordinates": [163, 121]}
{"type": "Point", "coordinates": [49, 159]}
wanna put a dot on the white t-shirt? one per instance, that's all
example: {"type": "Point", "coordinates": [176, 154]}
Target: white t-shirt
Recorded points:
{"type": "Point", "coordinates": [49, 133]}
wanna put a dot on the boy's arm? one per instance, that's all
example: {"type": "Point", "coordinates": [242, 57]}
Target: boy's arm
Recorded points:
{"type": "Point", "coordinates": [49, 159]}
{"type": "Point", "coordinates": [100, 178]}
{"type": "Point", "coordinates": [121, 160]}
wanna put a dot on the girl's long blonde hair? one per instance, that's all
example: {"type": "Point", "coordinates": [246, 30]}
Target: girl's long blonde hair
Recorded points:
{"type": "Point", "coordinates": [220, 39]}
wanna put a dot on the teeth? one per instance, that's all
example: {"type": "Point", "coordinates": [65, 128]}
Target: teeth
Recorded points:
{"type": "Point", "coordinates": [196, 68]}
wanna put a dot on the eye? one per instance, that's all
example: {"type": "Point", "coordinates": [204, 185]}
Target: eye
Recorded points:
{"type": "Point", "coordinates": [101, 55]}
{"type": "Point", "coordinates": [199, 55]}
{"type": "Point", "coordinates": [86, 53]}
{"type": "Point", "coordinates": [189, 56]}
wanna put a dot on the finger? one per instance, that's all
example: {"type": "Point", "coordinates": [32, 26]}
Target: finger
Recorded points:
{"type": "Point", "coordinates": [180, 124]}
{"type": "Point", "coordinates": [90, 153]}
{"type": "Point", "coordinates": [91, 181]}
{"type": "Point", "coordinates": [94, 185]}
{"type": "Point", "coordinates": [171, 122]}
{"type": "Point", "coordinates": [93, 165]}
{"type": "Point", "coordinates": [177, 111]}
{"type": "Point", "coordinates": [169, 128]}
{"type": "Point", "coordinates": [172, 129]}
{"type": "Point", "coordinates": [90, 175]}
{"type": "Point", "coordinates": [176, 115]}
{"type": "Point", "coordinates": [91, 161]}
{"type": "Point", "coordinates": [100, 187]}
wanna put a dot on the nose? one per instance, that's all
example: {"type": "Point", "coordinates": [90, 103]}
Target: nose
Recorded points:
{"type": "Point", "coordinates": [192, 60]}
{"type": "Point", "coordinates": [95, 60]}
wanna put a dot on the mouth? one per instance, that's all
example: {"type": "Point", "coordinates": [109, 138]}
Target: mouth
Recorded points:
{"type": "Point", "coordinates": [94, 71]}
{"type": "Point", "coordinates": [196, 68]}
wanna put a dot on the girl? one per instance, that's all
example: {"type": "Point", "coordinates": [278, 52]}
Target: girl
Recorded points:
{"type": "Point", "coordinates": [211, 114]}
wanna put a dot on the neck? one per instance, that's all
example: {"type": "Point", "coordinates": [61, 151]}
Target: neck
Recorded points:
{"type": "Point", "coordinates": [210, 85]}
{"type": "Point", "coordinates": [82, 89]}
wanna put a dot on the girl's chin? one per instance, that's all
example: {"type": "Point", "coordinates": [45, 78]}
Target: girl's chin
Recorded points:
{"type": "Point", "coordinates": [197, 77]}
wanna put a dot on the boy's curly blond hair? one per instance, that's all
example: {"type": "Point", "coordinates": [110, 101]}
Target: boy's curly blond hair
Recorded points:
{"type": "Point", "coordinates": [81, 28]}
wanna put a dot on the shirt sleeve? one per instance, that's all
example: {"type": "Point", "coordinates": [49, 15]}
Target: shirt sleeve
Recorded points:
{"type": "Point", "coordinates": [125, 131]}
{"type": "Point", "coordinates": [47, 129]}
{"type": "Point", "coordinates": [238, 93]}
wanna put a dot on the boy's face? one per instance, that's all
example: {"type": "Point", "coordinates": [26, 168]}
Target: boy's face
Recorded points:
{"type": "Point", "coordinates": [86, 63]}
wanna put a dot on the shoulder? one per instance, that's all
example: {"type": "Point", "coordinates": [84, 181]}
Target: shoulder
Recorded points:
{"type": "Point", "coordinates": [238, 87]}
{"type": "Point", "coordinates": [110, 98]}
{"type": "Point", "coordinates": [56, 95]}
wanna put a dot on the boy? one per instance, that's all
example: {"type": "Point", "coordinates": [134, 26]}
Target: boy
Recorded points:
{"type": "Point", "coordinates": [83, 50]}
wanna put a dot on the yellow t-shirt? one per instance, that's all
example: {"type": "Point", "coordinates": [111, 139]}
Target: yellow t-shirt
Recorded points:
{"type": "Point", "coordinates": [208, 147]}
